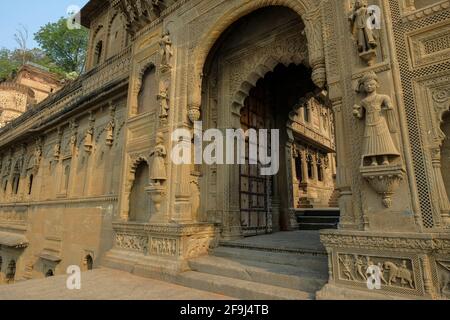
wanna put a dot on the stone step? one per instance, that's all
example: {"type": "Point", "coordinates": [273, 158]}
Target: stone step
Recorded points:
{"type": "Point", "coordinates": [305, 260]}
{"type": "Point", "coordinates": [318, 219]}
{"type": "Point", "coordinates": [316, 226]}
{"type": "Point", "coordinates": [240, 289]}
{"type": "Point", "coordinates": [314, 212]}
{"type": "Point", "coordinates": [284, 276]}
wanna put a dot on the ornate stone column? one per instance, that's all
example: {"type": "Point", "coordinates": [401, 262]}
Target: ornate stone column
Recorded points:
{"type": "Point", "coordinates": [315, 160]}
{"type": "Point", "coordinates": [440, 187]}
{"type": "Point", "coordinates": [313, 29]}
{"type": "Point", "coordinates": [305, 177]}
{"type": "Point", "coordinates": [343, 179]}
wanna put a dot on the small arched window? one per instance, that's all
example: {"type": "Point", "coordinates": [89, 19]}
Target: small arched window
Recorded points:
{"type": "Point", "coordinates": [89, 262]}
{"type": "Point", "coordinates": [139, 201]}
{"type": "Point", "coordinates": [98, 52]}
{"type": "Point", "coordinates": [309, 161]}
{"type": "Point", "coordinates": [298, 168]}
{"type": "Point", "coordinates": [320, 171]}
{"type": "Point", "coordinates": [30, 184]}
{"type": "Point", "coordinates": [11, 271]}
{"type": "Point", "coordinates": [15, 185]}
{"type": "Point", "coordinates": [306, 111]}
{"type": "Point", "coordinates": [66, 177]}
{"type": "Point", "coordinates": [49, 273]}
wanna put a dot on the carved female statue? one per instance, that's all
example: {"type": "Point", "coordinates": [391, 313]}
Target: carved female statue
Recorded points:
{"type": "Point", "coordinates": [378, 111]}
{"type": "Point", "coordinates": [166, 49]}
{"type": "Point", "coordinates": [364, 35]}
{"type": "Point", "coordinates": [158, 170]}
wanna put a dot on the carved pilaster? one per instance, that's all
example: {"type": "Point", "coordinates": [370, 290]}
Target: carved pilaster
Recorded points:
{"type": "Point", "coordinates": [440, 186]}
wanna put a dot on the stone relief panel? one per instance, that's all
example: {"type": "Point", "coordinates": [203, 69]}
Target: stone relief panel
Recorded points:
{"type": "Point", "coordinates": [443, 274]}
{"type": "Point", "coordinates": [197, 246]}
{"type": "Point", "coordinates": [163, 246]}
{"type": "Point", "coordinates": [394, 272]}
{"type": "Point", "coordinates": [13, 216]}
{"type": "Point", "coordinates": [131, 242]}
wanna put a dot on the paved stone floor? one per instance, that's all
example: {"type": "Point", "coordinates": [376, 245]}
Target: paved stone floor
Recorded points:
{"type": "Point", "coordinates": [103, 284]}
{"type": "Point", "coordinates": [301, 239]}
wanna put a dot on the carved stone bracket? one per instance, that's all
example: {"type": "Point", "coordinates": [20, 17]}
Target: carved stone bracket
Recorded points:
{"type": "Point", "coordinates": [139, 13]}
{"type": "Point", "coordinates": [368, 56]}
{"type": "Point", "coordinates": [156, 193]}
{"type": "Point", "coordinates": [385, 180]}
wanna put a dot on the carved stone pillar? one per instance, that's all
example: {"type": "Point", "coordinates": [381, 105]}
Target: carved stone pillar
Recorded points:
{"type": "Point", "coordinates": [313, 29]}
{"type": "Point", "coordinates": [440, 187]}
{"type": "Point", "coordinates": [315, 160]}
{"type": "Point", "coordinates": [305, 177]}
{"type": "Point", "coordinates": [343, 173]}
{"type": "Point", "coordinates": [183, 211]}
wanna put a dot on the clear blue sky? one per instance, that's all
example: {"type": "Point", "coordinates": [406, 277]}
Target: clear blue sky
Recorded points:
{"type": "Point", "coordinates": [32, 14]}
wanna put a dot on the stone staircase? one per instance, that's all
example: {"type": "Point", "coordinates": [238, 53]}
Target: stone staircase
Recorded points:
{"type": "Point", "coordinates": [256, 273]}
{"type": "Point", "coordinates": [334, 199]}
{"type": "Point", "coordinates": [317, 218]}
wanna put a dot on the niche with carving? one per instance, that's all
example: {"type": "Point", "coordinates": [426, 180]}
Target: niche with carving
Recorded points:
{"type": "Point", "coordinates": [139, 200]}
{"type": "Point", "coordinates": [148, 93]}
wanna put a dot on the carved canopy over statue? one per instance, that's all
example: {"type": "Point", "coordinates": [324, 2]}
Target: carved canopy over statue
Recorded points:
{"type": "Point", "coordinates": [138, 13]}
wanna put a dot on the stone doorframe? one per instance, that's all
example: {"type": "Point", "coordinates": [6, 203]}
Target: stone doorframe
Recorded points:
{"type": "Point", "coordinates": [290, 50]}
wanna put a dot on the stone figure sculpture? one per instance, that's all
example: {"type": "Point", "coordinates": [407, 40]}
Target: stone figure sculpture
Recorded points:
{"type": "Point", "coordinates": [400, 272]}
{"type": "Point", "coordinates": [378, 111]}
{"type": "Point", "coordinates": [359, 265]}
{"type": "Point", "coordinates": [363, 33]}
{"type": "Point", "coordinates": [166, 49]}
{"type": "Point", "coordinates": [158, 170]}
{"type": "Point", "coordinates": [110, 132]}
{"type": "Point", "coordinates": [163, 98]}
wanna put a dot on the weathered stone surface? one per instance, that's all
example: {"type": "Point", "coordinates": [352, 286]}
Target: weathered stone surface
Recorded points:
{"type": "Point", "coordinates": [87, 175]}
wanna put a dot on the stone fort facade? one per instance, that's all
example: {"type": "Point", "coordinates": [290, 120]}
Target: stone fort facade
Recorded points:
{"type": "Point", "coordinates": [363, 112]}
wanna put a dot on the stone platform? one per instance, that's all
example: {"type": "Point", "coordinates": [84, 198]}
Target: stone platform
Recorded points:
{"type": "Point", "coordinates": [103, 284]}
{"type": "Point", "coordinates": [299, 241]}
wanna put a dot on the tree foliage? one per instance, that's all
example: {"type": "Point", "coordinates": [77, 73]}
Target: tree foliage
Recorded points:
{"type": "Point", "coordinates": [63, 46]}
{"type": "Point", "coordinates": [12, 60]}
{"type": "Point", "coordinates": [62, 51]}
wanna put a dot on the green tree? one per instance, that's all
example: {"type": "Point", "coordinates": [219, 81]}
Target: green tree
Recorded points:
{"type": "Point", "coordinates": [12, 60]}
{"type": "Point", "coordinates": [65, 47]}
{"type": "Point", "coordinates": [7, 64]}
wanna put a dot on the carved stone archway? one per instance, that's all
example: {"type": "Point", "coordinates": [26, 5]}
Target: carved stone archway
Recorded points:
{"type": "Point", "coordinates": [130, 178]}
{"type": "Point", "coordinates": [141, 68]}
{"type": "Point", "coordinates": [251, 62]}
{"type": "Point", "coordinates": [309, 12]}
{"type": "Point", "coordinates": [260, 70]}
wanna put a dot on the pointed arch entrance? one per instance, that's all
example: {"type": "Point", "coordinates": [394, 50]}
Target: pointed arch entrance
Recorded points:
{"type": "Point", "coordinates": [255, 81]}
